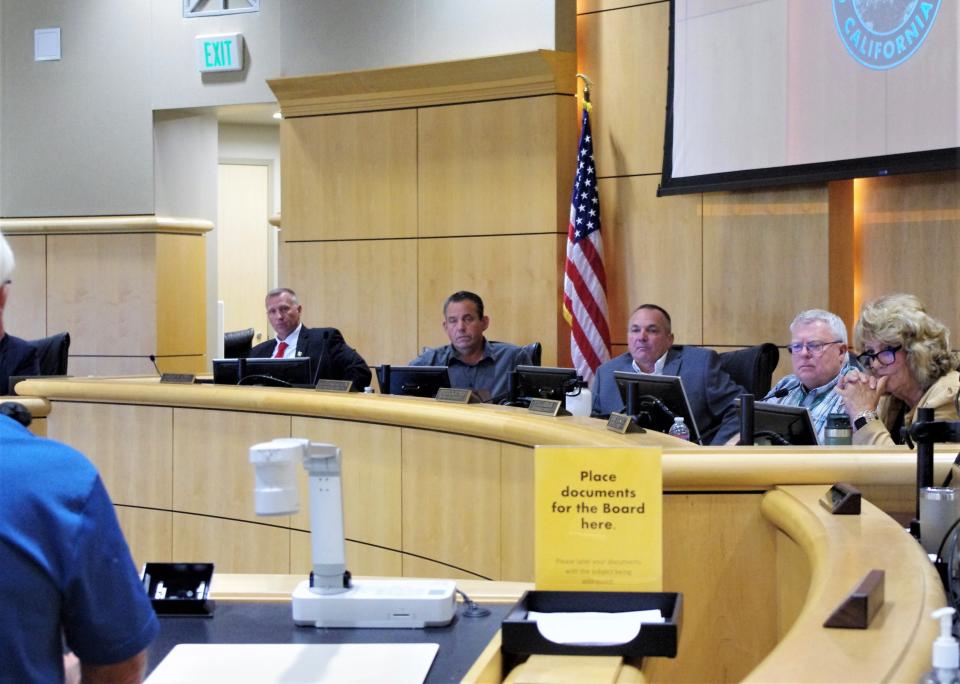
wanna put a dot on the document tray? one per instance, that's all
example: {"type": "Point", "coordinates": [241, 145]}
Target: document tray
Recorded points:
{"type": "Point", "coordinates": [520, 636]}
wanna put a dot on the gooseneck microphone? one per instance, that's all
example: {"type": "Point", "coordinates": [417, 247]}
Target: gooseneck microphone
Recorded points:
{"type": "Point", "coordinates": [153, 360]}
{"type": "Point", "coordinates": [323, 350]}
{"type": "Point", "coordinates": [781, 393]}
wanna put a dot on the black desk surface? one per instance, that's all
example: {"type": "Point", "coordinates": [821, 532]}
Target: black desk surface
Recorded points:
{"type": "Point", "coordinates": [461, 642]}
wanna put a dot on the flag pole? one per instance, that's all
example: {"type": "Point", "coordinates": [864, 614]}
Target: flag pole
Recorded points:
{"type": "Point", "coordinates": [584, 284]}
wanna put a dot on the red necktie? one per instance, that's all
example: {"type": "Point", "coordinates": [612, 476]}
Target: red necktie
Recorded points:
{"type": "Point", "coordinates": [282, 347]}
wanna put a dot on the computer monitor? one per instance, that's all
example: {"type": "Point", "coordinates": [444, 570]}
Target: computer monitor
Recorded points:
{"type": "Point", "coordinates": [226, 371]}
{"type": "Point", "coordinates": [655, 400]}
{"type": "Point", "coordinates": [412, 381]}
{"type": "Point", "coordinates": [782, 425]}
{"type": "Point", "coordinates": [538, 382]}
{"type": "Point", "coordinates": [293, 372]}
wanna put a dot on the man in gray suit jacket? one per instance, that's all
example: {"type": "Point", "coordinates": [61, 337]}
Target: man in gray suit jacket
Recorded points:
{"type": "Point", "coordinates": [709, 389]}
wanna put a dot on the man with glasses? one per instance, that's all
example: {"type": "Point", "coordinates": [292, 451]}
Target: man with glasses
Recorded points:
{"type": "Point", "coordinates": [818, 352]}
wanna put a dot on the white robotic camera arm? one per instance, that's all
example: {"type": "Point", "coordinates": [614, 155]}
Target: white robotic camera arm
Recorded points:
{"type": "Point", "coordinates": [275, 493]}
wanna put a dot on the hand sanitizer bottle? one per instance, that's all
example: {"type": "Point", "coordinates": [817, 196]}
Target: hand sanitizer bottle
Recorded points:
{"type": "Point", "coordinates": [946, 652]}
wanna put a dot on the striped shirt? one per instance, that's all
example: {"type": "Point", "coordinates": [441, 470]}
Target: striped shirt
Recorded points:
{"type": "Point", "coordinates": [820, 401]}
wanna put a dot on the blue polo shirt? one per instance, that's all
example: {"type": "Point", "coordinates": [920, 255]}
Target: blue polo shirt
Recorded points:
{"type": "Point", "coordinates": [65, 570]}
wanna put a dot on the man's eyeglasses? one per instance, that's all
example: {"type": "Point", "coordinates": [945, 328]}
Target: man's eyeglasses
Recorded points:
{"type": "Point", "coordinates": [885, 356]}
{"type": "Point", "coordinates": [815, 348]}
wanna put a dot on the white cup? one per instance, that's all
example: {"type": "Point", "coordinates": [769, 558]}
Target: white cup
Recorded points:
{"type": "Point", "coordinates": [939, 509]}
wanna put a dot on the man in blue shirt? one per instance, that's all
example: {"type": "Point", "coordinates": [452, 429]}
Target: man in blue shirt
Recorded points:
{"type": "Point", "coordinates": [818, 352]}
{"type": "Point", "coordinates": [66, 575]}
{"type": "Point", "coordinates": [472, 361]}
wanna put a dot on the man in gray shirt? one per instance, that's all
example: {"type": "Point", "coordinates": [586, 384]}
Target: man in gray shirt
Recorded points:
{"type": "Point", "coordinates": [472, 361]}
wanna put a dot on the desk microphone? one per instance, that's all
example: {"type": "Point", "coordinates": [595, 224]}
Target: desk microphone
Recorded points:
{"type": "Point", "coordinates": [153, 360]}
{"type": "Point", "coordinates": [17, 412]}
{"type": "Point", "coordinates": [781, 393]}
{"type": "Point", "coordinates": [323, 350]}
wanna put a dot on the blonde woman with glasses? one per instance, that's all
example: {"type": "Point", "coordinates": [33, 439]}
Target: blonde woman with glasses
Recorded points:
{"type": "Point", "coordinates": [908, 365]}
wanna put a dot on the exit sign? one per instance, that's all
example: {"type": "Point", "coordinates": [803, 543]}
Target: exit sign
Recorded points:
{"type": "Point", "coordinates": [220, 53]}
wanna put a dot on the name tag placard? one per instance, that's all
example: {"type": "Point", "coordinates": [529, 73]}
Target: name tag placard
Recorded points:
{"type": "Point", "coordinates": [598, 519]}
{"type": "Point", "coordinates": [455, 395]}
{"type": "Point", "coordinates": [178, 378]}
{"type": "Point", "coordinates": [547, 407]}
{"type": "Point", "coordinates": [622, 423]}
{"type": "Point", "coordinates": [334, 385]}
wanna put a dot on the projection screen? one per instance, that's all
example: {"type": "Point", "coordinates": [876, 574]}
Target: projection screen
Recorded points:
{"type": "Point", "coordinates": [769, 92]}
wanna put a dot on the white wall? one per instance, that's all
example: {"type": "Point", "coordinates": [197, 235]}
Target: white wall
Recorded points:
{"type": "Point", "coordinates": [185, 150]}
{"type": "Point", "coordinates": [297, 37]}
{"type": "Point", "coordinates": [75, 135]}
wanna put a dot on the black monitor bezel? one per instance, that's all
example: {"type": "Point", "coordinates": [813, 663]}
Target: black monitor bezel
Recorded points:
{"type": "Point", "coordinates": [563, 376]}
{"type": "Point", "coordinates": [226, 363]}
{"type": "Point", "coordinates": [769, 417]}
{"type": "Point", "coordinates": [441, 372]}
{"type": "Point", "coordinates": [668, 389]}
{"type": "Point", "coordinates": [284, 378]}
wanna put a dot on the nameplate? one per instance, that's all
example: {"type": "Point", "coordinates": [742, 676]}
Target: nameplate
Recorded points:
{"type": "Point", "coordinates": [334, 385]}
{"type": "Point", "coordinates": [622, 423]}
{"type": "Point", "coordinates": [842, 499]}
{"type": "Point", "coordinates": [858, 609]}
{"type": "Point", "coordinates": [456, 395]}
{"type": "Point", "coordinates": [546, 407]}
{"type": "Point", "coordinates": [178, 378]}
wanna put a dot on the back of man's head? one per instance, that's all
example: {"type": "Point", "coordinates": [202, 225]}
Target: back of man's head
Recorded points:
{"type": "Point", "coordinates": [6, 260]}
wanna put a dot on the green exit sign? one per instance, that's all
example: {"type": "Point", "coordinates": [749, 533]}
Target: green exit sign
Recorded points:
{"type": "Point", "coordinates": [223, 52]}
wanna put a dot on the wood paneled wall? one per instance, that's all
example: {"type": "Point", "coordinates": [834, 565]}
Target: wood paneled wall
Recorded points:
{"type": "Point", "coordinates": [123, 287]}
{"type": "Point", "coordinates": [734, 268]}
{"type": "Point", "coordinates": [401, 186]}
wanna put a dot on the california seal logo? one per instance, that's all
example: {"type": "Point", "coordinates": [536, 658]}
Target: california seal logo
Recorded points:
{"type": "Point", "coordinates": [882, 34]}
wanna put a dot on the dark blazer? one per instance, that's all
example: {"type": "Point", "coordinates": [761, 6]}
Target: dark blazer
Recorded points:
{"type": "Point", "coordinates": [325, 346]}
{"type": "Point", "coordinates": [17, 357]}
{"type": "Point", "coordinates": [709, 389]}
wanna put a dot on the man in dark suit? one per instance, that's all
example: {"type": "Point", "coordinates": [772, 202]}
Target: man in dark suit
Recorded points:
{"type": "Point", "coordinates": [709, 389]}
{"type": "Point", "coordinates": [330, 356]}
{"type": "Point", "coordinates": [17, 357]}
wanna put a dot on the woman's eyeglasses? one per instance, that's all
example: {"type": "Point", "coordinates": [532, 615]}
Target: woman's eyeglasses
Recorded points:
{"type": "Point", "coordinates": [885, 356]}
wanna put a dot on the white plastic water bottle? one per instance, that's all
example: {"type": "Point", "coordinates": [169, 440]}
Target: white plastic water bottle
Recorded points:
{"type": "Point", "coordinates": [679, 429]}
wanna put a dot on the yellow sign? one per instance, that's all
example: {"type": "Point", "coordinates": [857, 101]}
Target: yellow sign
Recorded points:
{"type": "Point", "coordinates": [599, 519]}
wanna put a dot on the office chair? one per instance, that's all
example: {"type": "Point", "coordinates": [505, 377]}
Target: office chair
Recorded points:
{"type": "Point", "coordinates": [53, 353]}
{"type": "Point", "coordinates": [237, 344]}
{"type": "Point", "coordinates": [535, 350]}
{"type": "Point", "coordinates": [752, 368]}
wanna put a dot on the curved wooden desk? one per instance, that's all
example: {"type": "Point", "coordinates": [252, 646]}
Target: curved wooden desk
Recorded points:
{"type": "Point", "coordinates": [839, 551]}
{"type": "Point", "coordinates": [445, 490]}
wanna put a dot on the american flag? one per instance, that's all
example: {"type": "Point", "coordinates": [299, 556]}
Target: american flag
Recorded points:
{"type": "Point", "coordinates": [585, 281]}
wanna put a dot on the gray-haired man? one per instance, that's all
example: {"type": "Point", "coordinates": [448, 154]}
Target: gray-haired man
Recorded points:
{"type": "Point", "coordinates": [818, 352]}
